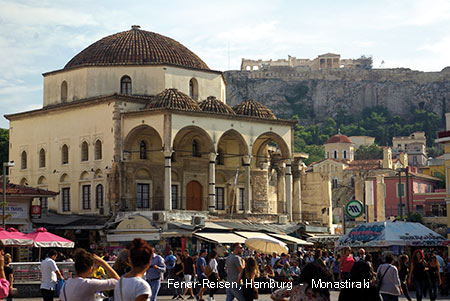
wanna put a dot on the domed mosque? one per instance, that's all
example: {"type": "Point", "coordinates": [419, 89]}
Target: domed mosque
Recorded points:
{"type": "Point", "coordinates": [137, 122]}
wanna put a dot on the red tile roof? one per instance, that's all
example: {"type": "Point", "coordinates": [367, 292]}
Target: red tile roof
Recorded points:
{"type": "Point", "coordinates": [253, 108]}
{"type": "Point", "coordinates": [14, 189]}
{"type": "Point", "coordinates": [338, 139]}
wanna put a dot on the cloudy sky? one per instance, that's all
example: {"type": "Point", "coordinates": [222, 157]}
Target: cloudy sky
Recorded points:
{"type": "Point", "coordinates": [41, 36]}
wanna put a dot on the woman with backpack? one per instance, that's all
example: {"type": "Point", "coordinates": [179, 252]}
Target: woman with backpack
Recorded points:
{"type": "Point", "coordinates": [212, 273]}
{"type": "Point", "coordinates": [388, 280]}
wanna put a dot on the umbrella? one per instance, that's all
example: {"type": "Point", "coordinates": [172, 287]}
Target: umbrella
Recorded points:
{"type": "Point", "coordinates": [43, 239]}
{"type": "Point", "coordinates": [10, 238]}
{"type": "Point", "coordinates": [266, 245]}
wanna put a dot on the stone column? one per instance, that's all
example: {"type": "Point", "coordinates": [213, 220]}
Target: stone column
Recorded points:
{"type": "Point", "coordinates": [288, 175]}
{"type": "Point", "coordinates": [297, 193]}
{"type": "Point", "coordinates": [212, 183]}
{"type": "Point", "coordinates": [168, 180]}
{"type": "Point", "coordinates": [247, 205]}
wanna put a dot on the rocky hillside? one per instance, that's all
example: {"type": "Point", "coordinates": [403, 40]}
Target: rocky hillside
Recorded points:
{"type": "Point", "coordinates": [317, 95]}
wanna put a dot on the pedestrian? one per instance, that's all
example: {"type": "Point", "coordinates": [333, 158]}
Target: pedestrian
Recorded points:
{"type": "Point", "coordinates": [274, 259]}
{"type": "Point", "coordinates": [201, 268]}
{"type": "Point", "coordinates": [417, 274]}
{"type": "Point", "coordinates": [132, 286]}
{"type": "Point", "coordinates": [4, 283]}
{"type": "Point", "coordinates": [434, 276]}
{"type": "Point", "coordinates": [213, 273]}
{"type": "Point", "coordinates": [178, 276]}
{"type": "Point", "coordinates": [403, 273]}
{"type": "Point", "coordinates": [170, 261]}
{"type": "Point", "coordinates": [122, 264]}
{"type": "Point", "coordinates": [247, 277]}
{"type": "Point", "coordinates": [49, 276]}
{"type": "Point", "coordinates": [189, 273]}
{"type": "Point", "coordinates": [154, 274]}
{"type": "Point", "coordinates": [9, 275]}
{"type": "Point", "coordinates": [388, 279]}
{"type": "Point", "coordinates": [286, 273]}
{"type": "Point", "coordinates": [234, 264]}
{"type": "Point", "coordinates": [361, 272]}
{"type": "Point", "coordinates": [305, 289]}
{"type": "Point", "coordinates": [82, 287]}
{"type": "Point", "coordinates": [361, 255]}
{"type": "Point", "coordinates": [346, 264]}
{"type": "Point", "coordinates": [336, 266]}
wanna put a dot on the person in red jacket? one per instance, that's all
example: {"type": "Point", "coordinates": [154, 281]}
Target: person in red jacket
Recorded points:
{"type": "Point", "coordinates": [346, 264]}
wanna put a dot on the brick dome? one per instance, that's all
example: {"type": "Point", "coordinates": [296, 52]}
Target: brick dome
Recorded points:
{"type": "Point", "coordinates": [339, 138]}
{"type": "Point", "coordinates": [212, 104]}
{"type": "Point", "coordinates": [136, 47]}
{"type": "Point", "coordinates": [254, 109]}
{"type": "Point", "coordinates": [174, 99]}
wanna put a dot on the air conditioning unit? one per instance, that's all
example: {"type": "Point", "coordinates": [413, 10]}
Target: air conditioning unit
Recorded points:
{"type": "Point", "coordinates": [198, 221]}
{"type": "Point", "coordinates": [282, 219]}
{"type": "Point", "coordinates": [158, 217]}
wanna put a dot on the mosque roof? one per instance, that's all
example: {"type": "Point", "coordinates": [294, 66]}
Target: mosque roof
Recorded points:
{"type": "Point", "coordinates": [174, 99]}
{"type": "Point", "coordinates": [212, 104]}
{"type": "Point", "coordinates": [136, 47]}
{"type": "Point", "coordinates": [253, 108]}
{"type": "Point", "coordinates": [339, 138]}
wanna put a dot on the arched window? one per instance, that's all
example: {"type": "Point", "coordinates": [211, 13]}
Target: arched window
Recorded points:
{"type": "Point", "coordinates": [220, 157]}
{"type": "Point", "coordinates": [99, 196]}
{"type": "Point", "coordinates": [335, 154]}
{"type": "Point", "coordinates": [125, 85]}
{"type": "Point", "coordinates": [193, 88]}
{"type": "Point", "coordinates": [23, 162]}
{"type": "Point", "coordinates": [98, 150]}
{"type": "Point", "coordinates": [41, 158]}
{"type": "Point", "coordinates": [328, 155]}
{"type": "Point", "coordinates": [64, 91]}
{"type": "Point", "coordinates": [195, 149]}
{"type": "Point", "coordinates": [64, 154]}
{"type": "Point", "coordinates": [84, 151]}
{"type": "Point", "coordinates": [345, 154]}
{"type": "Point", "coordinates": [143, 150]}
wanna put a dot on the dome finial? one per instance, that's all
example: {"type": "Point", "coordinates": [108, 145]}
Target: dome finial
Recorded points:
{"type": "Point", "coordinates": [135, 27]}
{"type": "Point", "coordinates": [339, 131]}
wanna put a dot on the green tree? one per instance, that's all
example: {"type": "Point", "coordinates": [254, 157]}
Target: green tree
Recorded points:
{"type": "Point", "coordinates": [369, 152]}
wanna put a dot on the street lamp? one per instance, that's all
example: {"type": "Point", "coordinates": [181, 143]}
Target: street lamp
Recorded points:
{"type": "Point", "coordinates": [5, 164]}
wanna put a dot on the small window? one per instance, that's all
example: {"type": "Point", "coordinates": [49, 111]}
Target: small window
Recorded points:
{"type": "Point", "coordinates": [64, 91]}
{"type": "Point", "coordinates": [174, 196]}
{"type": "Point", "coordinates": [335, 154]}
{"type": "Point", "coordinates": [419, 208]}
{"type": "Point", "coordinates": [345, 154]}
{"type": "Point", "coordinates": [435, 210]}
{"type": "Point", "coordinates": [334, 183]}
{"type": "Point", "coordinates": [99, 196]}
{"type": "Point", "coordinates": [64, 154]}
{"type": "Point", "coordinates": [401, 188]}
{"type": "Point", "coordinates": [220, 157]}
{"type": "Point", "coordinates": [84, 151]}
{"type": "Point", "coordinates": [98, 150]}
{"type": "Point", "coordinates": [241, 198]}
{"type": "Point", "coordinates": [44, 203]}
{"type": "Point", "coordinates": [328, 155]}
{"type": "Point", "coordinates": [143, 150]}
{"type": "Point", "coordinates": [125, 85]}
{"type": "Point", "coordinates": [23, 162]}
{"type": "Point", "coordinates": [86, 197]}
{"type": "Point", "coordinates": [41, 158]}
{"type": "Point", "coordinates": [143, 196]}
{"type": "Point", "coordinates": [195, 149]}
{"type": "Point", "coordinates": [193, 88]}
{"type": "Point", "coordinates": [65, 192]}
{"type": "Point", "coordinates": [220, 198]}
{"type": "Point", "coordinates": [352, 182]}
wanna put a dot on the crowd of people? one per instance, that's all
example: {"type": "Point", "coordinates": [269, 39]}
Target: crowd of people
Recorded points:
{"type": "Point", "coordinates": [138, 271]}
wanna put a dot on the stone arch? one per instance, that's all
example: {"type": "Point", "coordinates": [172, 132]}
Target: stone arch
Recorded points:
{"type": "Point", "coordinates": [125, 85]}
{"type": "Point", "coordinates": [98, 174]}
{"type": "Point", "coordinates": [64, 178]}
{"type": "Point", "coordinates": [24, 182]}
{"type": "Point", "coordinates": [64, 91]}
{"type": "Point", "coordinates": [23, 160]}
{"type": "Point", "coordinates": [84, 176]}
{"type": "Point", "coordinates": [42, 181]}
{"type": "Point", "coordinates": [143, 173]}
{"type": "Point", "coordinates": [231, 147]}
{"type": "Point", "coordinates": [184, 138]}
{"type": "Point", "coordinates": [98, 152]}
{"type": "Point", "coordinates": [84, 151]}
{"type": "Point", "coordinates": [153, 144]}
{"type": "Point", "coordinates": [42, 158]}
{"type": "Point", "coordinates": [261, 148]}
{"type": "Point", "coordinates": [193, 88]}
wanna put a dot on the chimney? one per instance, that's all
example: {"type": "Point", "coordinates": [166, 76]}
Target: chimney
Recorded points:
{"type": "Point", "coordinates": [404, 159]}
{"type": "Point", "coordinates": [387, 157]}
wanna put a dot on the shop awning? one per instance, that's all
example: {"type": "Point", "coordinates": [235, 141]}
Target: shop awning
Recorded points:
{"type": "Point", "coordinates": [291, 239]}
{"type": "Point", "coordinates": [126, 237]}
{"type": "Point", "coordinates": [252, 234]}
{"type": "Point", "coordinates": [221, 238]}
{"type": "Point", "coordinates": [176, 233]}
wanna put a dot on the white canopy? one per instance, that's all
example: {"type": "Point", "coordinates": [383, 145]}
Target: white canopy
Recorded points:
{"type": "Point", "coordinates": [388, 233]}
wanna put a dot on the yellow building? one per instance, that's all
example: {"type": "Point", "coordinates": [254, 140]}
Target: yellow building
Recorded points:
{"type": "Point", "coordinates": [444, 138]}
{"type": "Point", "coordinates": [138, 122]}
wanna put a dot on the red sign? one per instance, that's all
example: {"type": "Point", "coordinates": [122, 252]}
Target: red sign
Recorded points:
{"type": "Point", "coordinates": [36, 211]}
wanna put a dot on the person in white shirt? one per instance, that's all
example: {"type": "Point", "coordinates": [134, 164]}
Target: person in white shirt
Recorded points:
{"type": "Point", "coordinates": [132, 286]}
{"type": "Point", "coordinates": [49, 276]}
{"type": "Point", "coordinates": [361, 255]}
{"type": "Point", "coordinates": [214, 276]}
{"type": "Point", "coordinates": [82, 287]}
{"type": "Point", "coordinates": [387, 274]}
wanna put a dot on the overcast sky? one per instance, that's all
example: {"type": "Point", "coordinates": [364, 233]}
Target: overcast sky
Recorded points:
{"type": "Point", "coordinates": [41, 36]}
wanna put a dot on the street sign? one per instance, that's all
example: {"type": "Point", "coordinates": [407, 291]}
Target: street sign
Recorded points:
{"type": "Point", "coordinates": [354, 209]}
